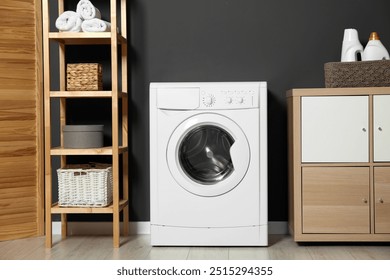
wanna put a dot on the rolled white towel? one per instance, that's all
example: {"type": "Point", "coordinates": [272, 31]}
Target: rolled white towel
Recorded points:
{"type": "Point", "coordinates": [87, 10]}
{"type": "Point", "coordinates": [69, 21]}
{"type": "Point", "coordinates": [95, 25]}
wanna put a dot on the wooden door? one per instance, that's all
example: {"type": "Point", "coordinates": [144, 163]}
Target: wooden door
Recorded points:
{"type": "Point", "coordinates": [335, 129]}
{"type": "Point", "coordinates": [335, 200]}
{"type": "Point", "coordinates": [21, 163]}
{"type": "Point", "coordinates": [382, 199]}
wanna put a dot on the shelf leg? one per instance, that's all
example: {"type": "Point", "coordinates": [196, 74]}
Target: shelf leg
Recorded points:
{"type": "Point", "coordinates": [116, 230]}
{"type": "Point", "coordinates": [125, 190]}
{"type": "Point", "coordinates": [126, 221]}
{"type": "Point", "coordinates": [64, 226]}
{"type": "Point", "coordinates": [48, 230]}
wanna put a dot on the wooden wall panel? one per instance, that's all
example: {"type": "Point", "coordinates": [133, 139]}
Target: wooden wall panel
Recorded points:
{"type": "Point", "coordinates": [21, 164]}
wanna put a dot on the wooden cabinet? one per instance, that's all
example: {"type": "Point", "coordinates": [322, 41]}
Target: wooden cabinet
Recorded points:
{"type": "Point", "coordinates": [118, 96]}
{"type": "Point", "coordinates": [339, 164]}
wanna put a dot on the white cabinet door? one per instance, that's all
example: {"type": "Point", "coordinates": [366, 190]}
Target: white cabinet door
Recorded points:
{"type": "Point", "coordinates": [335, 129]}
{"type": "Point", "coordinates": [381, 128]}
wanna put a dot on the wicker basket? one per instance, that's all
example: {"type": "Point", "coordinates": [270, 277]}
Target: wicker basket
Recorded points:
{"type": "Point", "coordinates": [85, 185]}
{"type": "Point", "coordinates": [357, 74]}
{"type": "Point", "coordinates": [84, 76]}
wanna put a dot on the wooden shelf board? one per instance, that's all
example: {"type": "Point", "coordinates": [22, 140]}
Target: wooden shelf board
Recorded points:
{"type": "Point", "coordinates": [59, 151]}
{"type": "Point", "coordinates": [84, 94]}
{"type": "Point", "coordinates": [55, 209]}
{"type": "Point", "coordinates": [80, 94]}
{"type": "Point", "coordinates": [85, 38]}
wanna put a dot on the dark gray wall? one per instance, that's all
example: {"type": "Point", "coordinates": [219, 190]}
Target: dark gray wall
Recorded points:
{"type": "Point", "coordinates": [283, 42]}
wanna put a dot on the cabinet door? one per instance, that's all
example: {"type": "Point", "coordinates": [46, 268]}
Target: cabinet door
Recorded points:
{"type": "Point", "coordinates": [335, 200]}
{"type": "Point", "coordinates": [381, 128]}
{"type": "Point", "coordinates": [382, 199]}
{"type": "Point", "coordinates": [335, 129]}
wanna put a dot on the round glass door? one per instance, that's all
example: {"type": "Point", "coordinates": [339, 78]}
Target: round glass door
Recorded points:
{"type": "Point", "coordinates": [204, 154]}
{"type": "Point", "coordinates": [208, 154]}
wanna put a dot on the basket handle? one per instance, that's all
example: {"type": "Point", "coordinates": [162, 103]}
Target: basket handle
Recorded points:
{"type": "Point", "coordinates": [79, 173]}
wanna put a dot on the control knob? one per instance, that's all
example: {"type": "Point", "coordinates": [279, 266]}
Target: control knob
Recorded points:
{"type": "Point", "coordinates": [208, 100]}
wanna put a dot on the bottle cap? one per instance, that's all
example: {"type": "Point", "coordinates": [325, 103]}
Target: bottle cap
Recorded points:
{"type": "Point", "coordinates": [373, 36]}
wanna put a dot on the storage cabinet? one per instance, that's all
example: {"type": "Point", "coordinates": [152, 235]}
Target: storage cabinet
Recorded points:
{"type": "Point", "coordinates": [118, 151]}
{"type": "Point", "coordinates": [339, 164]}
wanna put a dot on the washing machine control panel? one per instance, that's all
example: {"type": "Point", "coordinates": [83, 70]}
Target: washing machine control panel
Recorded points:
{"type": "Point", "coordinates": [229, 99]}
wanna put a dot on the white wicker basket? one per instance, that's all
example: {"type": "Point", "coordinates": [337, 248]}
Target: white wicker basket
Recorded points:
{"type": "Point", "coordinates": [85, 186]}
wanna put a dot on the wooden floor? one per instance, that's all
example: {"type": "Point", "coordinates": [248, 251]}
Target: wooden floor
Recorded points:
{"type": "Point", "coordinates": [138, 247]}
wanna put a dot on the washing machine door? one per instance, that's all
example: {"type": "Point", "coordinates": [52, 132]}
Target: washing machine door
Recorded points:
{"type": "Point", "coordinates": [208, 154]}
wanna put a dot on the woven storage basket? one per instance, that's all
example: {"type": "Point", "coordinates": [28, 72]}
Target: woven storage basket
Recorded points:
{"type": "Point", "coordinates": [357, 74]}
{"type": "Point", "coordinates": [85, 185]}
{"type": "Point", "coordinates": [84, 76]}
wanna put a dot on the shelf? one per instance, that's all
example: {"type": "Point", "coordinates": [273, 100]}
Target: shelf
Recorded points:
{"type": "Point", "coordinates": [85, 38]}
{"type": "Point", "coordinates": [116, 44]}
{"type": "Point", "coordinates": [59, 151]}
{"type": "Point", "coordinates": [85, 94]}
{"type": "Point", "coordinates": [55, 209]}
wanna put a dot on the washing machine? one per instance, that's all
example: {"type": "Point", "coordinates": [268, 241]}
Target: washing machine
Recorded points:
{"type": "Point", "coordinates": [208, 164]}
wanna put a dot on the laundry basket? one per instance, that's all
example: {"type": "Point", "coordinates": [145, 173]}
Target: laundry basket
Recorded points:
{"type": "Point", "coordinates": [87, 185]}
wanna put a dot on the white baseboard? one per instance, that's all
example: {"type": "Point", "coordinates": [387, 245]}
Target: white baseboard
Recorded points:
{"type": "Point", "coordinates": [105, 228]}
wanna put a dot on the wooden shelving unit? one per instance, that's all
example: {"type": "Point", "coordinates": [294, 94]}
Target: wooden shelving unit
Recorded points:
{"type": "Point", "coordinates": [117, 41]}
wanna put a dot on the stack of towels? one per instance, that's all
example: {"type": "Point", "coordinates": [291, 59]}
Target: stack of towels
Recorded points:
{"type": "Point", "coordinates": [87, 18]}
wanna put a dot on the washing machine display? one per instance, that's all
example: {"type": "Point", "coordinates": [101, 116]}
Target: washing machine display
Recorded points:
{"type": "Point", "coordinates": [204, 154]}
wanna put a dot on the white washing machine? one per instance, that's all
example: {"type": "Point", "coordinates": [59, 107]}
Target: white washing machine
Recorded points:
{"type": "Point", "coordinates": [208, 164]}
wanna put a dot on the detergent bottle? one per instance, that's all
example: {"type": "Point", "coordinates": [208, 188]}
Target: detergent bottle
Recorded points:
{"type": "Point", "coordinates": [351, 46]}
{"type": "Point", "coordinates": [374, 49]}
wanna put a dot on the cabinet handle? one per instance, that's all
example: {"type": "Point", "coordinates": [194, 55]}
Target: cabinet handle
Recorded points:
{"type": "Point", "coordinates": [364, 200]}
{"type": "Point", "coordinates": [381, 200]}
{"type": "Point", "coordinates": [364, 129]}
{"type": "Point", "coordinates": [380, 128]}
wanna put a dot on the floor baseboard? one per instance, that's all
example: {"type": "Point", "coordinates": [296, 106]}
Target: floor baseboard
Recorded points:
{"type": "Point", "coordinates": [105, 228]}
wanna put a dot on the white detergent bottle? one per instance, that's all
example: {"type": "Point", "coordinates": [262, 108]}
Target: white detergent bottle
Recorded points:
{"type": "Point", "coordinates": [351, 46]}
{"type": "Point", "coordinates": [375, 49]}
